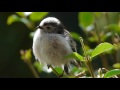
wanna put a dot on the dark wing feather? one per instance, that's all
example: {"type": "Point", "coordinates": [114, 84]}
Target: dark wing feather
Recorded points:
{"type": "Point", "coordinates": [73, 45]}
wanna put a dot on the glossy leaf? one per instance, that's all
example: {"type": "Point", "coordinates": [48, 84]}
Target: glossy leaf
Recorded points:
{"type": "Point", "coordinates": [114, 27]}
{"type": "Point", "coordinates": [21, 14]}
{"type": "Point", "coordinates": [86, 19]}
{"type": "Point", "coordinates": [101, 48]}
{"type": "Point", "coordinates": [75, 35]}
{"type": "Point", "coordinates": [74, 55]}
{"type": "Point", "coordinates": [36, 16]}
{"type": "Point", "coordinates": [111, 73]}
{"type": "Point", "coordinates": [13, 18]}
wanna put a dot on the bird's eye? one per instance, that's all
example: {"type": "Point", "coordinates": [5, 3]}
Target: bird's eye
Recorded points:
{"type": "Point", "coordinates": [48, 27]}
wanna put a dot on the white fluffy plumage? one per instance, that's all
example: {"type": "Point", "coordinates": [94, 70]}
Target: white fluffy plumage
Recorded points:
{"type": "Point", "coordinates": [52, 42]}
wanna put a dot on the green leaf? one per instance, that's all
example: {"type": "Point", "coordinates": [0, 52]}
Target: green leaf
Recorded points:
{"type": "Point", "coordinates": [36, 16]}
{"type": "Point", "coordinates": [86, 19]}
{"type": "Point", "coordinates": [93, 38]}
{"type": "Point", "coordinates": [111, 73]}
{"type": "Point", "coordinates": [76, 70]}
{"type": "Point", "coordinates": [101, 48]}
{"type": "Point", "coordinates": [27, 22]}
{"type": "Point", "coordinates": [20, 14]}
{"type": "Point", "coordinates": [74, 55]}
{"type": "Point", "coordinates": [38, 66]}
{"type": "Point", "coordinates": [116, 65]}
{"type": "Point", "coordinates": [106, 36]}
{"type": "Point", "coordinates": [98, 14]}
{"type": "Point", "coordinates": [114, 27]}
{"type": "Point", "coordinates": [28, 54]}
{"type": "Point", "coordinates": [75, 35]}
{"type": "Point", "coordinates": [13, 18]}
{"type": "Point", "coordinates": [59, 70]}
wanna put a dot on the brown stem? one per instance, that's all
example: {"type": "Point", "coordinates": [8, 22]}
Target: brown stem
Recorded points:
{"type": "Point", "coordinates": [88, 64]}
{"type": "Point", "coordinates": [33, 69]}
{"type": "Point", "coordinates": [103, 57]}
{"type": "Point", "coordinates": [97, 32]}
{"type": "Point", "coordinates": [104, 61]}
{"type": "Point", "coordinates": [107, 18]}
{"type": "Point", "coordinates": [87, 58]}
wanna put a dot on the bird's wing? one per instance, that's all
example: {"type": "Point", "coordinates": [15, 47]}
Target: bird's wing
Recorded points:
{"type": "Point", "coordinates": [73, 45]}
{"type": "Point", "coordinates": [69, 38]}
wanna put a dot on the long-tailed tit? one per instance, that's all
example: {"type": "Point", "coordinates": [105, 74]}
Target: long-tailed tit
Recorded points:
{"type": "Point", "coordinates": [52, 42]}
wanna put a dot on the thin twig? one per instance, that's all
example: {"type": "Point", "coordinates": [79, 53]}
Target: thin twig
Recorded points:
{"type": "Point", "coordinates": [87, 58]}
{"type": "Point", "coordinates": [97, 32]}
{"type": "Point", "coordinates": [103, 58]}
{"type": "Point", "coordinates": [33, 69]}
{"type": "Point", "coordinates": [88, 63]}
{"type": "Point", "coordinates": [107, 18]}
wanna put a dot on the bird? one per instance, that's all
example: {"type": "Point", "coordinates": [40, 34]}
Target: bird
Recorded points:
{"type": "Point", "coordinates": [52, 42]}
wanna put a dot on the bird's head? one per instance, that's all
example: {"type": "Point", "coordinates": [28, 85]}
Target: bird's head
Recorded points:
{"type": "Point", "coordinates": [51, 25]}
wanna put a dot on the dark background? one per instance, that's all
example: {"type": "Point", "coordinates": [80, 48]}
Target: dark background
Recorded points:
{"type": "Point", "coordinates": [15, 37]}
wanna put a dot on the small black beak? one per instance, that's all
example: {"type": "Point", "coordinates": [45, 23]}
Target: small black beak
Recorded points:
{"type": "Point", "coordinates": [39, 27]}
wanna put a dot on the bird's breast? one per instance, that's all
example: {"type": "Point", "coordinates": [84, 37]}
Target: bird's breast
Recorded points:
{"type": "Point", "coordinates": [51, 48]}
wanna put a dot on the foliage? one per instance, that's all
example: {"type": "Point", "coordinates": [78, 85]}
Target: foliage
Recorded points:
{"type": "Point", "coordinates": [101, 48]}
{"type": "Point", "coordinates": [102, 40]}
{"type": "Point", "coordinates": [112, 73]}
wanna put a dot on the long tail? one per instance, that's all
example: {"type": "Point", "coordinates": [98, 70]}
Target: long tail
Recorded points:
{"type": "Point", "coordinates": [73, 62]}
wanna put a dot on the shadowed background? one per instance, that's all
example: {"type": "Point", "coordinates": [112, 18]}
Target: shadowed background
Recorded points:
{"type": "Point", "coordinates": [16, 37]}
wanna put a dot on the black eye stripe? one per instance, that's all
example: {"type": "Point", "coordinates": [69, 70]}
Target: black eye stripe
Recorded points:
{"type": "Point", "coordinates": [48, 27]}
{"type": "Point", "coordinates": [50, 23]}
{"type": "Point", "coordinates": [39, 27]}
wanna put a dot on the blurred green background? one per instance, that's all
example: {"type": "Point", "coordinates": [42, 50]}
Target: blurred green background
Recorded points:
{"type": "Point", "coordinates": [17, 28]}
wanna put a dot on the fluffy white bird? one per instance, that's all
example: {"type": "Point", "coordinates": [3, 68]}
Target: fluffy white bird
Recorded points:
{"type": "Point", "coordinates": [52, 42]}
